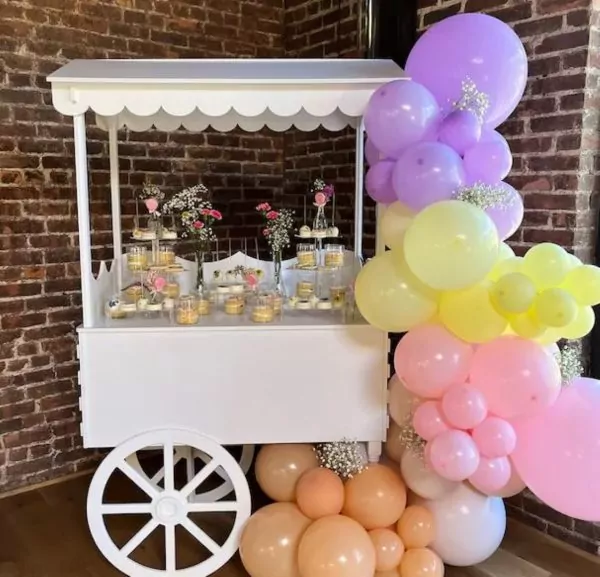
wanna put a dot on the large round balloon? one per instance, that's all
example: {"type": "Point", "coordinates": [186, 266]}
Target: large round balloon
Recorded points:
{"type": "Point", "coordinates": [472, 47]}
{"type": "Point", "coordinates": [508, 216]}
{"type": "Point", "coordinates": [336, 546]}
{"type": "Point", "coordinates": [269, 543]}
{"type": "Point", "coordinates": [558, 451]}
{"type": "Point", "coordinates": [319, 493]}
{"type": "Point", "coordinates": [278, 468]}
{"type": "Point", "coordinates": [394, 222]}
{"type": "Point", "coordinates": [451, 245]}
{"type": "Point", "coordinates": [399, 114]}
{"type": "Point", "coordinates": [469, 526]}
{"type": "Point", "coordinates": [421, 479]}
{"type": "Point", "coordinates": [426, 173]}
{"type": "Point", "coordinates": [389, 295]}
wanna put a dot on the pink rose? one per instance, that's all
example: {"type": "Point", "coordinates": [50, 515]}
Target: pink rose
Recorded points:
{"type": "Point", "coordinates": [205, 211]}
{"type": "Point", "coordinates": [216, 214]}
{"type": "Point", "coordinates": [198, 225]}
{"type": "Point", "coordinates": [151, 205]}
{"type": "Point", "coordinates": [272, 214]}
{"type": "Point", "coordinates": [263, 207]}
{"type": "Point", "coordinates": [266, 232]}
{"type": "Point", "coordinates": [320, 199]}
{"type": "Point", "coordinates": [159, 284]}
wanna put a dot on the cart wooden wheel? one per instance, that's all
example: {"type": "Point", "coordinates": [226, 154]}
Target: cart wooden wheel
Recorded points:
{"type": "Point", "coordinates": [167, 506]}
{"type": "Point", "coordinates": [190, 455]}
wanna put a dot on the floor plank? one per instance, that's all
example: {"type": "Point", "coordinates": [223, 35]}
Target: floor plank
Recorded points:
{"type": "Point", "coordinates": [44, 533]}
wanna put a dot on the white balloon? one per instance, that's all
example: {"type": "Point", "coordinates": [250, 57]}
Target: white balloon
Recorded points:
{"type": "Point", "coordinates": [394, 222]}
{"type": "Point", "coordinates": [469, 526]}
{"type": "Point", "coordinates": [423, 480]}
{"type": "Point", "coordinates": [402, 401]}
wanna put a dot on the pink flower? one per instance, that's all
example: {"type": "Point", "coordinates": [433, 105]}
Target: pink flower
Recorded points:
{"type": "Point", "coordinates": [320, 199]}
{"type": "Point", "coordinates": [328, 190]}
{"type": "Point", "coordinates": [216, 214]}
{"type": "Point", "coordinates": [159, 284]}
{"type": "Point", "coordinates": [263, 207]}
{"type": "Point", "coordinates": [252, 279]}
{"type": "Point", "coordinates": [205, 211]}
{"type": "Point", "coordinates": [272, 214]}
{"type": "Point", "coordinates": [198, 225]}
{"type": "Point", "coordinates": [266, 232]}
{"type": "Point", "coordinates": [151, 205]}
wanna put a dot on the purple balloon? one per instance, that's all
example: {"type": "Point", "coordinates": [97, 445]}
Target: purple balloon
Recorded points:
{"type": "Point", "coordinates": [473, 47]}
{"type": "Point", "coordinates": [426, 173]}
{"type": "Point", "coordinates": [460, 130]}
{"type": "Point", "coordinates": [509, 216]}
{"type": "Point", "coordinates": [399, 114]}
{"type": "Point", "coordinates": [488, 161]}
{"type": "Point", "coordinates": [378, 182]}
{"type": "Point", "coordinates": [372, 155]}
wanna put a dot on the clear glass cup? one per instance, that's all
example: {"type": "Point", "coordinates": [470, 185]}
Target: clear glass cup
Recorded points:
{"type": "Point", "coordinates": [187, 310]}
{"type": "Point", "coordinates": [334, 255]}
{"type": "Point", "coordinates": [137, 258]}
{"type": "Point", "coordinates": [166, 255]}
{"type": "Point", "coordinates": [306, 255]}
{"type": "Point", "coordinates": [262, 310]}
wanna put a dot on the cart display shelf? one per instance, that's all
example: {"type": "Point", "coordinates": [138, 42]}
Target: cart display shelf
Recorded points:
{"type": "Point", "coordinates": [187, 391]}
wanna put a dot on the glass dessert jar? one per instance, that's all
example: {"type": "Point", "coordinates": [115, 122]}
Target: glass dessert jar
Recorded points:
{"type": "Point", "coordinates": [137, 258]}
{"type": "Point", "coordinates": [334, 255]}
{"type": "Point", "coordinates": [234, 305]}
{"type": "Point", "coordinates": [262, 310]}
{"type": "Point", "coordinates": [204, 306]}
{"type": "Point", "coordinates": [306, 255]}
{"type": "Point", "coordinates": [166, 255]}
{"type": "Point", "coordinates": [337, 295]}
{"type": "Point", "coordinates": [187, 310]}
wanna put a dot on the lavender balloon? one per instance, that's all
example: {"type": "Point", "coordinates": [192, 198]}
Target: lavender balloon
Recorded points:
{"type": "Point", "coordinates": [378, 182]}
{"type": "Point", "coordinates": [426, 173]}
{"type": "Point", "coordinates": [474, 47]}
{"type": "Point", "coordinates": [509, 214]}
{"type": "Point", "coordinates": [372, 155]}
{"type": "Point", "coordinates": [399, 114]}
{"type": "Point", "coordinates": [488, 161]}
{"type": "Point", "coordinates": [460, 130]}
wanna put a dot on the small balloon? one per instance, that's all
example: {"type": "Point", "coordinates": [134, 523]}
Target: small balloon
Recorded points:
{"type": "Point", "coordinates": [555, 307]}
{"type": "Point", "coordinates": [372, 155]}
{"type": "Point", "coordinates": [491, 475]}
{"type": "Point", "coordinates": [278, 468]}
{"type": "Point", "coordinates": [504, 252]}
{"type": "Point", "coordinates": [547, 265]}
{"type": "Point", "coordinates": [454, 455]}
{"type": "Point", "coordinates": [494, 437]}
{"type": "Point", "coordinates": [416, 527]}
{"type": "Point", "coordinates": [527, 325]}
{"type": "Point", "coordinates": [463, 406]}
{"type": "Point", "coordinates": [509, 215]}
{"type": "Point", "coordinates": [421, 479]}
{"type": "Point", "coordinates": [378, 182]}
{"type": "Point", "coordinates": [401, 402]}
{"type": "Point", "coordinates": [581, 325]}
{"type": "Point", "coordinates": [393, 447]}
{"type": "Point", "coordinates": [421, 563]}
{"type": "Point", "coordinates": [396, 219]}
{"type": "Point", "coordinates": [513, 293]}
{"type": "Point", "coordinates": [490, 160]}
{"type": "Point", "coordinates": [583, 283]}
{"type": "Point", "coordinates": [514, 486]}
{"type": "Point", "coordinates": [376, 498]}
{"type": "Point", "coordinates": [388, 549]}
{"type": "Point", "coordinates": [461, 130]}
{"type": "Point", "coordinates": [320, 492]}
{"type": "Point", "coordinates": [505, 266]}
{"type": "Point", "coordinates": [429, 420]}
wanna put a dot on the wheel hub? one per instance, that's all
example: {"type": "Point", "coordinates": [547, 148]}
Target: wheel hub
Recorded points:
{"type": "Point", "coordinates": [169, 508]}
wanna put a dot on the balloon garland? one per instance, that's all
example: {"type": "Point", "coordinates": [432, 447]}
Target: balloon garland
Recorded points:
{"type": "Point", "coordinates": [483, 404]}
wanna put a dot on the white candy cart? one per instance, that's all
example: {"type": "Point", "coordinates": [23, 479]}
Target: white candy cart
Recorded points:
{"type": "Point", "coordinates": [188, 392]}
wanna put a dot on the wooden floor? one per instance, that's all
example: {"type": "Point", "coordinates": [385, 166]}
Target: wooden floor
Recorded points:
{"type": "Point", "coordinates": [43, 533]}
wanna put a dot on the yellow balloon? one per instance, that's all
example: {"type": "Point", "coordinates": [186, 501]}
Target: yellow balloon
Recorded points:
{"type": "Point", "coordinates": [555, 307]}
{"type": "Point", "coordinates": [547, 265]}
{"type": "Point", "coordinates": [394, 222]}
{"type": "Point", "coordinates": [583, 282]}
{"type": "Point", "coordinates": [504, 252]}
{"type": "Point", "coordinates": [390, 297]}
{"type": "Point", "coordinates": [451, 245]}
{"type": "Point", "coordinates": [506, 266]}
{"type": "Point", "coordinates": [527, 325]}
{"type": "Point", "coordinates": [512, 293]}
{"type": "Point", "coordinates": [581, 326]}
{"type": "Point", "coordinates": [549, 337]}
{"type": "Point", "coordinates": [469, 314]}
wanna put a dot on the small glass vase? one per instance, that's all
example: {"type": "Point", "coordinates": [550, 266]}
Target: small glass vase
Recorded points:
{"type": "Point", "coordinates": [277, 276]}
{"type": "Point", "coordinates": [201, 252]}
{"type": "Point", "coordinates": [320, 222]}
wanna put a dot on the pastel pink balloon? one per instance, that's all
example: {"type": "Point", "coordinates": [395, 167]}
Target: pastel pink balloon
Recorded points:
{"type": "Point", "coordinates": [514, 486]}
{"type": "Point", "coordinates": [454, 455]}
{"type": "Point", "coordinates": [430, 359]}
{"type": "Point", "coordinates": [464, 406]}
{"type": "Point", "coordinates": [495, 437]}
{"type": "Point", "coordinates": [151, 204]}
{"type": "Point", "coordinates": [516, 376]}
{"type": "Point", "coordinates": [428, 420]}
{"type": "Point", "coordinates": [491, 475]}
{"type": "Point", "coordinates": [558, 451]}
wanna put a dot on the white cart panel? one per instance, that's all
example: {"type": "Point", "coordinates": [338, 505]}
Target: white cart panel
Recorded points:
{"type": "Point", "coordinates": [238, 385]}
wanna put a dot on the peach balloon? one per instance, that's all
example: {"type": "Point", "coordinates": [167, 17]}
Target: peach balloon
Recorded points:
{"type": "Point", "coordinates": [388, 549]}
{"type": "Point", "coordinates": [319, 493]}
{"type": "Point", "coordinates": [278, 468]}
{"type": "Point", "coordinates": [416, 527]}
{"type": "Point", "coordinates": [376, 498]}
{"type": "Point", "coordinates": [392, 573]}
{"type": "Point", "coordinates": [393, 447]}
{"type": "Point", "coordinates": [336, 546]}
{"type": "Point", "coordinates": [421, 563]}
{"type": "Point", "coordinates": [269, 542]}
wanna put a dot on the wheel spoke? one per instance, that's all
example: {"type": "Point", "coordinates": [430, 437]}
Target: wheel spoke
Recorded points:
{"type": "Point", "coordinates": [201, 536]}
{"type": "Point", "coordinates": [216, 507]}
{"type": "Point", "coordinates": [170, 551]}
{"type": "Point", "coordinates": [169, 466]}
{"type": "Point", "coordinates": [140, 481]}
{"type": "Point", "coordinates": [160, 474]}
{"type": "Point", "coordinates": [220, 471]}
{"type": "Point", "coordinates": [139, 537]}
{"type": "Point", "coordinates": [199, 478]}
{"type": "Point", "coordinates": [126, 508]}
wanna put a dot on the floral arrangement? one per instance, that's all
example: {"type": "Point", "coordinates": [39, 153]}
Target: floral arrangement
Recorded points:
{"type": "Point", "coordinates": [155, 284]}
{"type": "Point", "coordinates": [152, 196]}
{"type": "Point", "coordinates": [323, 192]}
{"type": "Point", "coordinates": [196, 214]}
{"type": "Point", "coordinates": [278, 225]}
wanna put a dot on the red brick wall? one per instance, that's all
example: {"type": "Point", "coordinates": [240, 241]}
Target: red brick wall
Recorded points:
{"type": "Point", "coordinates": [39, 282]}
{"type": "Point", "coordinates": [554, 139]}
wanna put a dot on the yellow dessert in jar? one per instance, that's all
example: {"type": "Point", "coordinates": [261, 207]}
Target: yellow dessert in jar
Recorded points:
{"type": "Point", "coordinates": [171, 290]}
{"type": "Point", "coordinates": [166, 256]}
{"type": "Point", "coordinates": [137, 259]}
{"type": "Point", "coordinates": [338, 296]}
{"type": "Point", "coordinates": [203, 306]}
{"type": "Point", "coordinates": [234, 305]}
{"type": "Point", "coordinates": [263, 314]}
{"type": "Point", "coordinates": [306, 256]}
{"type": "Point", "coordinates": [305, 289]}
{"type": "Point", "coordinates": [334, 255]}
{"type": "Point", "coordinates": [187, 313]}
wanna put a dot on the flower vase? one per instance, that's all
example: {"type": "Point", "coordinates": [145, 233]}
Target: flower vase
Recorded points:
{"type": "Point", "coordinates": [277, 277]}
{"type": "Point", "coordinates": [200, 259]}
{"type": "Point", "coordinates": [320, 222]}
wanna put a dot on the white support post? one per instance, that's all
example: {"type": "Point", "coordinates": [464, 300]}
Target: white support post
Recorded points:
{"type": "Point", "coordinates": [358, 194]}
{"type": "Point", "coordinates": [115, 200]}
{"type": "Point", "coordinates": [83, 218]}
